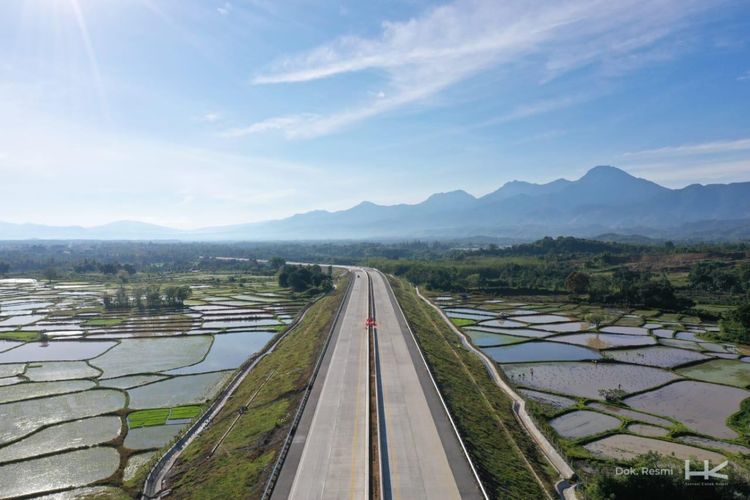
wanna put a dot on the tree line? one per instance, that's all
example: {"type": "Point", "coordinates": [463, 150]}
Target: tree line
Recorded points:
{"type": "Point", "coordinates": [152, 297]}
{"type": "Point", "coordinates": [311, 279]}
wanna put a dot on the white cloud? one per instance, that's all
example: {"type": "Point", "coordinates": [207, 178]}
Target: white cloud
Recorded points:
{"type": "Point", "coordinates": [422, 56]}
{"type": "Point", "coordinates": [278, 123]}
{"type": "Point", "coordinates": [714, 147]}
{"type": "Point", "coordinates": [224, 9]}
{"type": "Point", "coordinates": [744, 77]}
{"type": "Point", "coordinates": [705, 172]}
{"type": "Point", "coordinates": [715, 161]}
{"type": "Point", "coordinates": [210, 117]}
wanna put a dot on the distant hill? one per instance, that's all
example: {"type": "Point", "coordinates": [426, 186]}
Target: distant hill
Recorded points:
{"type": "Point", "coordinates": [605, 201]}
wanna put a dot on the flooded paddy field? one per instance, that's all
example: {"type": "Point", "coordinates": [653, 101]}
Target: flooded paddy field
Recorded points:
{"type": "Point", "coordinates": [540, 351]}
{"type": "Point", "coordinates": [700, 406]}
{"type": "Point", "coordinates": [628, 447]}
{"type": "Point", "coordinates": [88, 394]}
{"type": "Point", "coordinates": [722, 371]}
{"type": "Point", "coordinates": [603, 340]}
{"type": "Point", "coordinates": [583, 423]}
{"type": "Point", "coordinates": [638, 381]}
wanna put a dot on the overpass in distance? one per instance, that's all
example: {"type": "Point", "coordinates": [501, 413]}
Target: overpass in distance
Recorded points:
{"type": "Point", "coordinates": [375, 424]}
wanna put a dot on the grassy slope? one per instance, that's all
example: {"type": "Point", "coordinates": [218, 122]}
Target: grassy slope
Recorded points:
{"type": "Point", "coordinates": [240, 467]}
{"type": "Point", "coordinates": [481, 410]}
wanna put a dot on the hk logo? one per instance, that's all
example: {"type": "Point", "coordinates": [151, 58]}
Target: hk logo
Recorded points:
{"type": "Point", "coordinates": [706, 473]}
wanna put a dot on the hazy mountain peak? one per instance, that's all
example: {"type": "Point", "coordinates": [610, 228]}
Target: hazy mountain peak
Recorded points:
{"type": "Point", "coordinates": [516, 188]}
{"type": "Point", "coordinates": [605, 199]}
{"type": "Point", "coordinates": [610, 185]}
{"type": "Point", "coordinates": [456, 195]}
{"type": "Point", "coordinates": [606, 171]}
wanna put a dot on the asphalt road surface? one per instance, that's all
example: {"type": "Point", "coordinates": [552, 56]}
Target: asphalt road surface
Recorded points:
{"type": "Point", "coordinates": [333, 434]}
{"type": "Point", "coordinates": [421, 455]}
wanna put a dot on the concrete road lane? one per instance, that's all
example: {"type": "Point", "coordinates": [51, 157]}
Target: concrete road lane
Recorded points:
{"type": "Point", "coordinates": [422, 456]}
{"type": "Point", "coordinates": [334, 460]}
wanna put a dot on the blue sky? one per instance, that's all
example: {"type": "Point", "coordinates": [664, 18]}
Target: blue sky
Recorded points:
{"type": "Point", "coordinates": [192, 113]}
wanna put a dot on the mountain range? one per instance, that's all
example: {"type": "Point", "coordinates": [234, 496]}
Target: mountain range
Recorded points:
{"type": "Point", "coordinates": [606, 200]}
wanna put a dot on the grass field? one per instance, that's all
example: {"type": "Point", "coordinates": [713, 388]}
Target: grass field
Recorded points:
{"type": "Point", "coordinates": [145, 418]}
{"type": "Point", "coordinates": [159, 416]}
{"type": "Point", "coordinates": [241, 465]}
{"type": "Point", "coordinates": [482, 412]}
{"type": "Point", "coordinates": [462, 322]}
{"type": "Point", "coordinates": [21, 335]}
{"type": "Point", "coordinates": [103, 322]}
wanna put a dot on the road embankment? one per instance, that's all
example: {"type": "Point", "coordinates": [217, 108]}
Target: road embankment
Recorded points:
{"type": "Point", "coordinates": [233, 457]}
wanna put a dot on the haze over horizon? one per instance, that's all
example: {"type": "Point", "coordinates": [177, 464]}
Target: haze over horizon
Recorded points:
{"type": "Point", "coordinates": [190, 114]}
{"type": "Point", "coordinates": [364, 201]}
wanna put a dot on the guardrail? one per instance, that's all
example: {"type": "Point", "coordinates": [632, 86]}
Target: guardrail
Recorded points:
{"type": "Point", "coordinates": [152, 486]}
{"type": "Point", "coordinates": [271, 483]}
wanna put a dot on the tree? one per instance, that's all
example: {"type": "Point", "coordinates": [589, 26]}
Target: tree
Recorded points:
{"type": "Point", "coordinates": [4, 267]}
{"type": "Point", "coordinates": [577, 282]}
{"type": "Point", "coordinates": [138, 297]}
{"type": "Point", "coordinates": [122, 301]}
{"type": "Point", "coordinates": [183, 293]}
{"type": "Point", "coordinates": [300, 279]}
{"type": "Point", "coordinates": [123, 276]}
{"type": "Point", "coordinates": [613, 395]}
{"type": "Point", "coordinates": [736, 326]}
{"type": "Point", "coordinates": [107, 268]}
{"type": "Point", "coordinates": [170, 295]}
{"type": "Point", "coordinates": [596, 318]}
{"type": "Point", "coordinates": [175, 296]}
{"type": "Point", "coordinates": [276, 263]}
{"type": "Point", "coordinates": [284, 278]}
{"type": "Point", "coordinates": [153, 297]}
{"type": "Point", "coordinates": [50, 274]}
{"type": "Point", "coordinates": [305, 278]}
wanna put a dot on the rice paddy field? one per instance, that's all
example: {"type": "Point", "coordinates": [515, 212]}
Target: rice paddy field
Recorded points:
{"type": "Point", "coordinates": [611, 384]}
{"type": "Point", "coordinates": [88, 395]}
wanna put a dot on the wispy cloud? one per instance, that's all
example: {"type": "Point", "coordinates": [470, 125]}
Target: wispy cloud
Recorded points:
{"type": "Point", "coordinates": [744, 77]}
{"type": "Point", "coordinates": [423, 56]}
{"type": "Point", "coordinates": [715, 161]}
{"type": "Point", "coordinates": [703, 172]}
{"type": "Point", "coordinates": [715, 147]}
{"type": "Point", "coordinates": [224, 9]}
{"type": "Point", "coordinates": [210, 117]}
{"type": "Point", "coordinates": [535, 108]}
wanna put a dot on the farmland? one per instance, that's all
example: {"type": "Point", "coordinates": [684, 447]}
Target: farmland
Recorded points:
{"type": "Point", "coordinates": [648, 381]}
{"type": "Point", "coordinates": [89, 393]}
